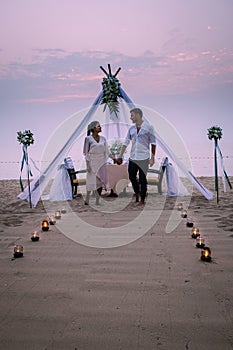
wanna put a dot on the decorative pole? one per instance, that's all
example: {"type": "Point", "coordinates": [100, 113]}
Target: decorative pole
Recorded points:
{"type": "Point", "coordinates": [216, 167]}
{"type": "Point", "coordinates": [26, 139]}
{"type": "Point", "coordinates": [215, 132]}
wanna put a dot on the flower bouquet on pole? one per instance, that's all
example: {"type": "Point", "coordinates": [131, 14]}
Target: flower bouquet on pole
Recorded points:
{"type": "Point", "coordinates": [215, 132]}
{"type": "Point", "coordinates": [26, 139]}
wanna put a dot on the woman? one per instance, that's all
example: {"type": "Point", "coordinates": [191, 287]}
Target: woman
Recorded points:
{"type": "Point", "coordinates": [96, 153]}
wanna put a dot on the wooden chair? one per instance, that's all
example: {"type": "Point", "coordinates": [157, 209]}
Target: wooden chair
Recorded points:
{"type": "Point", "coordinates": [75, 182]}
{"type": "Point", "coordinates": [158, 179]}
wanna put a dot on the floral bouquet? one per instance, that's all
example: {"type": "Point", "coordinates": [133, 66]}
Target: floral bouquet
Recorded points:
{"type": "Point", "coordinates": [25, 138]}
{"type": "Point", "coordinates": [215, 132]}
{"type": "Point", "coordinates": [115, 148]}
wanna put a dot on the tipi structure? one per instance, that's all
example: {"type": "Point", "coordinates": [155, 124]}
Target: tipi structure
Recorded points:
{"type": "Point", "coordinates": [115, 114]}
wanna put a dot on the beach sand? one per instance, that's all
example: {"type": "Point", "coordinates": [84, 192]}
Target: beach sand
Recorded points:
{"type": "Point", "coordinates": [152, 293]}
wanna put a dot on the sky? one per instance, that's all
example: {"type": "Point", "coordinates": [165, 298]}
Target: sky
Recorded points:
{"type": "Point", "coordinates": [176, 57]}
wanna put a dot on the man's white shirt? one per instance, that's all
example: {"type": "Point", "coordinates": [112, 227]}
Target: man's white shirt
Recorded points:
{"type": "Point", "coordinates": [141, 141]}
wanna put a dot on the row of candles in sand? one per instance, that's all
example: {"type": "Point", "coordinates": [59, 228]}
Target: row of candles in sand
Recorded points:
{"type": "Point", "coordinates": [18, 249]}
{"type": "Point", "coordinates": [200, 242]}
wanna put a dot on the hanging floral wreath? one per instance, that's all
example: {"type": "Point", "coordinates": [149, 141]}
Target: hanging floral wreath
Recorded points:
{"type": "Point", "coordinates": [215, 132]}
{"type": "Point", "coordinates": [25, 138]}
{"type": "Point", "coordinates": [111, 92]}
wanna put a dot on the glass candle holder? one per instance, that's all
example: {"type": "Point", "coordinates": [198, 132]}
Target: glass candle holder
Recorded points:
{"type": "Point", "coordinates": [200, 242]}
{"type": "Point", "coordinates": [35, 236]}
{"type": "Point", "coordinates": [18, 251]}
{"type": "Point", "coordinates": [63, 210]}
{"type": "Point", "coordinates": [52, 220]}
{"type": "Point", "coordinates": [189, 222]}
{"type": "Point", "coordinates": [45, 225]}
{"type": "Point", "coordinates": [58, 214]}
{"type": "Point", "coordinates": [206, 254]}
{"type": "Point", "coordinates": [184, 214]}
{"type": "Point", "coordinates": [195, 232]}
{"type": "Point", "coordinates": [180, 206]}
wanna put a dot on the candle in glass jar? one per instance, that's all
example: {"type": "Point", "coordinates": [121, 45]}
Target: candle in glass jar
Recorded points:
{"type": "Point", "coordinates": [18, 251]}
{"type": "Point", "coordinates": [195, 232]}
{"type": "Point", "coordinates": [63, 210]}
{"type": "Point", "coordinates": [200, 242]}
{"type": "Point", "coordinates": [206, 254]}
{"type": "Point", "coordinates": [35, 236]}
{"type": "Point", "coordinates": [52, 220]}
{"type": "Point", "coordinates": [184, 214]}
{"type": "Point", "coordinates": [180, 206]}
{"type": "Point", "coordinates": [189, 222]}
{"type": "Point", "coordinates": [58, 214]}
{"type": "Point", "coordinates": [45, 225]}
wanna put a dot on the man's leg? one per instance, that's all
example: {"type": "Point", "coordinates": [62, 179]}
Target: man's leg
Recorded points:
{"type": "Point", "coordinates": [143, 169]}
{"type": "Point", "coordinates": [133, 170]}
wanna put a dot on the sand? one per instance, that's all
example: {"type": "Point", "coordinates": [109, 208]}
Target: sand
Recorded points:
{"type": "Point", "coordinates": [152, 293]}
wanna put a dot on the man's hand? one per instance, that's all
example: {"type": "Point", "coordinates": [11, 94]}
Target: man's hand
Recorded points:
{"type": "Point", "coordinates": [152, 160]}
{"type": "Point", "coordinates": [119, 161]}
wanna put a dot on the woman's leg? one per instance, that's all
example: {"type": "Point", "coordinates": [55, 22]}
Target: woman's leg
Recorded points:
{"type": "Point", "coordinates": [98, 194]}
{"type": "Point", "coordinates": [87, 198]}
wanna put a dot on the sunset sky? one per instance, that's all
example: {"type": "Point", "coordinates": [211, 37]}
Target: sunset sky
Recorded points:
{"type": "Point", "coordinates": [176, 57]}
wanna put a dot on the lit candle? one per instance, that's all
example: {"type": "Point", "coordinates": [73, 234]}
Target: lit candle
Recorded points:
{"type": "Point", "coordinates": [184, 214]}
{"type": "Point", "coordinates": [52, 220]}
{"type": "Point", "coordinates": [58, 214]}
{"type": "Point", "coordinates": [189, 222]}
{"type": "Point", "coordinates": [63, 210]}
{"type": "Point", "coordinates": [35, 236]}
{"type": "Point", "coordinates": [180, 206]}
{"type": "Point", "coordinates": [206, 254]}
{"type": "Point", "coordinates": [18, 251]}
{"type": "Point", "coordinates": [195, 232]}
{"type": "Point", "coordinates": [45, 225]}
{"type": "Point", "coordinates": [200, 242]}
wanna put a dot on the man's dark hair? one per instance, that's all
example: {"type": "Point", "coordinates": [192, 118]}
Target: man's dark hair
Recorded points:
{"type": "Point", "coordinates": [137, 111]}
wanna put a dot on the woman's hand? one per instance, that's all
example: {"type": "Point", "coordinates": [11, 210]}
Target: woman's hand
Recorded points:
{"type": "Point", "coordinates": [88, 167]}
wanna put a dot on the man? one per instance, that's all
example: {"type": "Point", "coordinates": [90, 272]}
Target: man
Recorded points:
{"type": "Point", "coordinates": [143, 142]}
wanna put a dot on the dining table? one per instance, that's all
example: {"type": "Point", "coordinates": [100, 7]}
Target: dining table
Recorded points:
{"type": "Point", "coordinates": [118, 178]}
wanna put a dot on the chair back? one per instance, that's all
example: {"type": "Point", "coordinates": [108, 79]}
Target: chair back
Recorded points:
{"type": "Point", "coordinates": [70, 168]}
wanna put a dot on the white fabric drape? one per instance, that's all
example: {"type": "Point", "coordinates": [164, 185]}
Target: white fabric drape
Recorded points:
{"type": "Point", "coordinates": [38, 185]}
{"type": "Point", "coordinates": [61, 189]}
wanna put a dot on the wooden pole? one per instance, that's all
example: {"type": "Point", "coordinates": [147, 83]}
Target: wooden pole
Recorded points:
{"type": "Point", "coordinates": [103, 70]}
{"type": "Point", "coordinates": [109, 69]}
{"type": "Point", "coordinates": [118, 70]}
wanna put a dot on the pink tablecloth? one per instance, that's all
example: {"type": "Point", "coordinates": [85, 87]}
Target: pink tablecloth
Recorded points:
{"type": "Point", "coordinates": [118, 177]}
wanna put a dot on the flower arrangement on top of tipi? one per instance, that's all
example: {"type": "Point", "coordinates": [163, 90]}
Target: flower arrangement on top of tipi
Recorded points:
{"type": "Point", "coordinates": [111, 91]}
